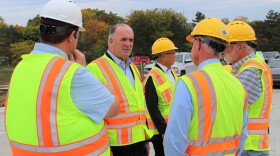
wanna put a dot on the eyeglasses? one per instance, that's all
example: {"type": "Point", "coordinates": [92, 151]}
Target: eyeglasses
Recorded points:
{"type": "Point", "coordinates": [199, 39]}
{"type": "Point", "coordinates": [168, 53]}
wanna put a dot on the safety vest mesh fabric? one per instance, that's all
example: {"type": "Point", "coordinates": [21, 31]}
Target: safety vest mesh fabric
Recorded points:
{"type": "Point", "coordinates": [259, 111]}
{"type": "Point", "coordinates": [129, 126]}
{"type": "Point", "coordinates": [40, 116]}
{"type": "Point", "coordinates": [164, 89]}
{"type": "Point", "coordinates": [219, 108]}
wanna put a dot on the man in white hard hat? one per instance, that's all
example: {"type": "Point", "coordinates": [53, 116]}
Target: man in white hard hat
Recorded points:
{"type": "Point", "coordinates": [53, 107]}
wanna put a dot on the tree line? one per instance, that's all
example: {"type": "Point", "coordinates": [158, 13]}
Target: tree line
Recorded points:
{"type": "Point", "coordinates": [148, 26]}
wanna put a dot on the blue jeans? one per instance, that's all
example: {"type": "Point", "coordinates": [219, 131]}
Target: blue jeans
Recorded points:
{"type": "Point", "coordinates": [255, 153]}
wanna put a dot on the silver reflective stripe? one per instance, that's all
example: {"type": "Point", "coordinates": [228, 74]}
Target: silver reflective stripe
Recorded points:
{"type": "Point", "coordinates": [257, 131]}
{"type": "Point", "coordinates": [260, 142]}
{"type": "Point", "coordinates": [230, 151]}
{"type": "Point", "coordinates": [39, 100]}
{"type": "Point", "coordinates": [119, 136]}
{"type": "Point", "coordinates": [214, 100]}
{"type": "Point", "coordinates": [152, 127]}
{"type": "Point", "coordinates": [265, 103]}
{"type": "Point", "coordinates": [214, 140]}
{"type": "Point", "coordinates": [117, 80]}
{"type": "Point", "coordinates": [59, 148]}
{"type": "Point", "coordinates": [129, 133]}
{"type": "Point", "coordinates": [126, 125]}
{"type": "Point", "coordinates": [200, 106]}
{"type": "Point", "coordinates": [130, 114]}
{"type": "Point", "coordinates": [54, 104]}
{"type": "Point", "coordinates": [258, 120]}
{"type": "Point", "coordinates": [99, 151]}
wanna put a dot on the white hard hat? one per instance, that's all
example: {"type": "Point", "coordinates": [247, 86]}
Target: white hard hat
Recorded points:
{"type": "Point", "coordinates": [65, 11]}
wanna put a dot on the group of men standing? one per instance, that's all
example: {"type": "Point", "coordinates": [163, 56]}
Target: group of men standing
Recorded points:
{"type": "Point", "coordinates": [58, 105]}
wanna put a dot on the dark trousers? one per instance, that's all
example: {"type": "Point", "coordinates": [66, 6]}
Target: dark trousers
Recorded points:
{"type": "Point", "coordinates": [158, 145]}
{"type": "Point", "coordinates": [137, 149]}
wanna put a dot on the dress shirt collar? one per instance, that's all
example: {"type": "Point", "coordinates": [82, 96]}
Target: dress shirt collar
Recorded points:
{"type": "Point", "coordinates": [42, 48]}
{"type": "Point", "coordinates": [236, 66]}
{"type": "Point", "coordinates": [118, 61]}
{"type": "Point", "coordinates": [209, 61]}
{"type": "Point", "coordinates": [165, 69]}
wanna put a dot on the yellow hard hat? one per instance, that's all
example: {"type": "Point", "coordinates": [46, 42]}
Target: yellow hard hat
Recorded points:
{"type": "Point", "coordinates": [162, 45]}
{"type": "Point", "coordinates": [212, 27]}
{"type": "Point", "coordinates": [240, 31]}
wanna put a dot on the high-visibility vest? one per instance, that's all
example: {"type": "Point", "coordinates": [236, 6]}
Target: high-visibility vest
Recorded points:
{"type": "Point", "coordinates": [228, 68]}
{"type": "Point", "coordinates": [129, 126]}
{"type": "Point", "coordinates": [219, 101]}
{"type": "Point", "coordinates": [40, 116]}
{"type": "Point", "coordinates": [259, 110]}
{"type": "Point", "coordinates": [164, 89]}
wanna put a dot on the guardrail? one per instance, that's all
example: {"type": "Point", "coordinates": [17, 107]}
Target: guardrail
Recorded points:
{"type": "Point", "coordinates": [4, 88]}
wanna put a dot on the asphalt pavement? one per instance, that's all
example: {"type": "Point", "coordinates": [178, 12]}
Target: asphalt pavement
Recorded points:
{"type": "Point", "coordinates": [274, 129]}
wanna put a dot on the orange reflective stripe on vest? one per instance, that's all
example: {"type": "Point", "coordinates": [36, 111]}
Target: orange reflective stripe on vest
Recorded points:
{"type": "Point", "coordinates": [113, 82]}
{"type": "Point", "coordinates": [46, 105]}
{"type": "Point", "coordinates": [258, 124]}
{"type": "Point", "coordinates": [207, 109]}
{"type": "Point", "coordinates": [47, 129]}
{"type": "Point", "coordinates": [125, 120]}
{"type": "Point", "coordinates": [167, 94]}
{"type": "Point", "coordinates": [219, 146]}
{"type": "Point", "coordinates": [135, 69]}
{"type": "Point", "coordinates": [267, 99]}
{"type": "Point", "coordinates": [99, 141]}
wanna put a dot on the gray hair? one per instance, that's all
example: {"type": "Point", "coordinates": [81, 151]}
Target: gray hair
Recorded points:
{"type": "Point", "coordinates": [114, 28]}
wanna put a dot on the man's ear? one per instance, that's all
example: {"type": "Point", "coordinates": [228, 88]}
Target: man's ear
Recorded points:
{"type": "Point", "coordinates": [110, 40]}
{"type": "Point", "coordinates": [72, 37]}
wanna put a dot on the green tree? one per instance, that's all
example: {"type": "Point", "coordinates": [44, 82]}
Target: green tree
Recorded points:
{"type": "Point", "coordinates": [241, 18]}
{"type": "Point", "coordinates": [8, 35]}
{"type": "Point", "coordinates": [94, 40]}
{"type": "Point", "coordinates": [225, 20]}
{"type": "Point", "coordinates": [267, 32]}
{"type": "Point", "coordinates": [150, 25]}
{"type": "Point", "coordinates": [198, 17]}
{"type": "Point", "coordinates": [30, 33]}
{"type": "Point", "coordinates": [19, 48]}
{"type": "Point", "coordinates": [34, 21]}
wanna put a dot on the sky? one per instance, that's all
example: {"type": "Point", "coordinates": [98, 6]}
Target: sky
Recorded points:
{"type": "Point", "coordinates": [20, 11]}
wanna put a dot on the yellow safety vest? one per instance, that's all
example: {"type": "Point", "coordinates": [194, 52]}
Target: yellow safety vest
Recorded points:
{"type": "Point", "coordinates": [40, 116]}
{"type": "Point", "coordinates": [219, 102]}
{"type": "Point", "coordinates": [129, 126]}
{"type": "Point", "coordinates": [164, 89]}
{"type": "Point", "coordinates": [259, 110]}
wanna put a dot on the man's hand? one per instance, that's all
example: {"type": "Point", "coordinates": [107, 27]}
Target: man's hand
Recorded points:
{"type": "Point", "coordinates": [147, 146]}
{"type": "Point", "coordinates": [78, 57]}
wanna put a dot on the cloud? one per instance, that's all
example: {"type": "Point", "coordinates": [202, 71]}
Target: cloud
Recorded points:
{"type": "Point", "coordinates": [19, 11]}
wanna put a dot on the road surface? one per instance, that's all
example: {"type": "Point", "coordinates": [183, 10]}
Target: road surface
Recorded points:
{"type": "Point", "coordinates": [274, 129]}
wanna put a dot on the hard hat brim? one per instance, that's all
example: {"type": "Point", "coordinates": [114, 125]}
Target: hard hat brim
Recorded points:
{"type": "Point", "coordinates": [82, 29]}
{"type": "Point", "coordinates": [190, 38]}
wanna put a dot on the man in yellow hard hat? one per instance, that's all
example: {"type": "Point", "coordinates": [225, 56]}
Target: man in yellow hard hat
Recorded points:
{"type": "Point", "coordinates": [159, 85]}
{"type": "Point", "coordinates": [209, 105]}
{"type": "Point", "coordinates": [55, 106]}
{"type": "Point", "coordinates": [255, 76]}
